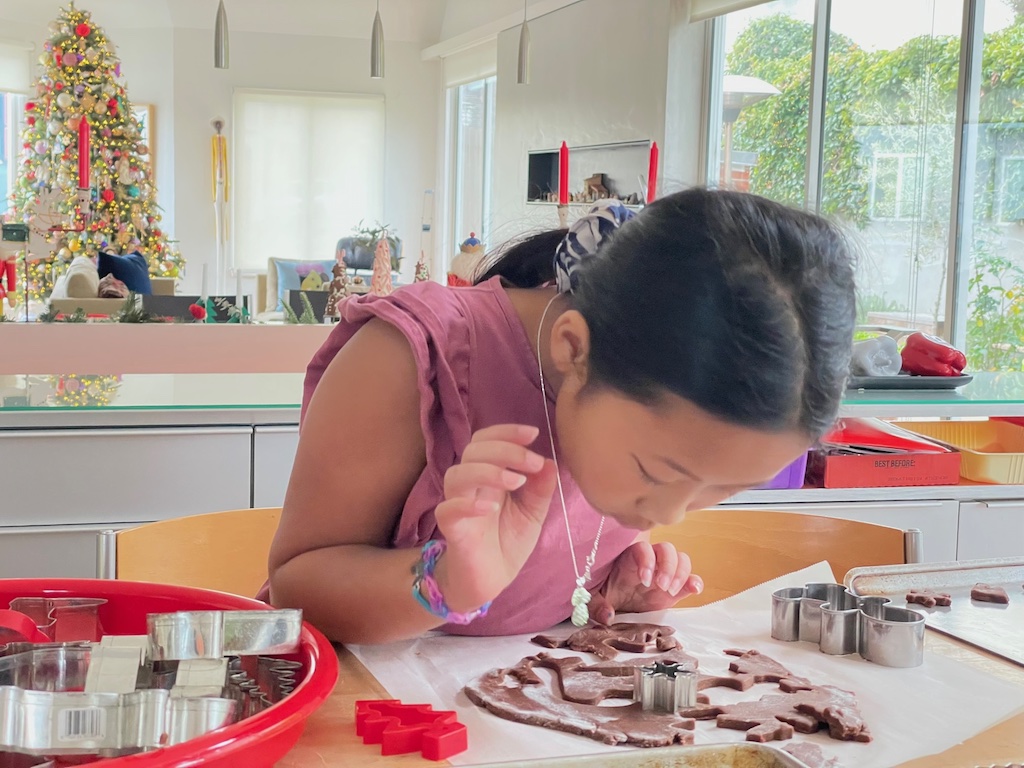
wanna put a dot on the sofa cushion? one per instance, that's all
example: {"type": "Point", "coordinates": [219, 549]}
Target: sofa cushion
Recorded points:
{"type": "Point", "coordinates": [293, 275]}
{"type": "Point", "coordinates": [82, 280]}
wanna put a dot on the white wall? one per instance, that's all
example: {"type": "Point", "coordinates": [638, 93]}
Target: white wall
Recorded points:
{"type": "Point", "coordinates": [599, 75]}
{"type": "Point", "coordinates": [292, 62]}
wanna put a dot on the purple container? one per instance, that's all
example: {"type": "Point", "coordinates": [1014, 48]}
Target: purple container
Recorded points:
{"type": "Point", "coordinates": [790, 477]}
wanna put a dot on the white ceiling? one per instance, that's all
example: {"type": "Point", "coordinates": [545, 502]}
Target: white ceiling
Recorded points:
{"type": "Point", "coordinates": [410, 20]}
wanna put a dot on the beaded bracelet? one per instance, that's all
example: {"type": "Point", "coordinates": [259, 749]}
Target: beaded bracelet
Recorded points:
{"type": "Point", "coordinates": [433, 601]}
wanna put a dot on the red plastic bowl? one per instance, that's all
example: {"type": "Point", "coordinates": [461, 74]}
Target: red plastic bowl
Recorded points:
{"type": "Point", "coordinates": [255, 742]}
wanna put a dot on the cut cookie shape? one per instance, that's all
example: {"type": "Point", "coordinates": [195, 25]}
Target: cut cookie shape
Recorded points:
{"type": "Point", "coordinates": [929, 598]}
{"type": "Point", "coordinates": [605, 642]}
{"type": "Point", "coordinates": [512, 694]}
{"type": "Point", "coordinates": [811, 755]}
{"type": "Point", "coordinates": [986, 593]}
{"type": "Point", "coordinates": [776, 716]}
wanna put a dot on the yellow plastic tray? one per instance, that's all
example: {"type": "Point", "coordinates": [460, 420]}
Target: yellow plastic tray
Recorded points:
{"type": "Point", "coordinates": [991, 451]}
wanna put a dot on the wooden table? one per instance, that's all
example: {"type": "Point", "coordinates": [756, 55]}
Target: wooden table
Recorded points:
{"type": "Point", "coordinates": [330, 737]}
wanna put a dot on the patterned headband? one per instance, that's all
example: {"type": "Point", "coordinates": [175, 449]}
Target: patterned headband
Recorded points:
{"type": "Point", "coordinates": [584, 238]}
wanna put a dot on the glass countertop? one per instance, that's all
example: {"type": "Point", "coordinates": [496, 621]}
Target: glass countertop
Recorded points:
{"type": "Point", "coordinates": [989, 392]}
{"type": "Point", "coordinates": [138, 392]}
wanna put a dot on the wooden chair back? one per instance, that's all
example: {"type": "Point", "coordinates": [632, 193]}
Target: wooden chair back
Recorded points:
{"type": "Point", "coordinates": [226, 551]}
{"type": "Point", "coordinates": [735, 549]}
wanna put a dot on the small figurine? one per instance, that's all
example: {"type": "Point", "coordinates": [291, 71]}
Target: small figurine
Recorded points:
{"type": "Point", "coordinates": [339, 285]}
{"type": "Point", "coordinates": [466, 263]}
{"type": "Point", "coordinates": [380, 283]}
{"type": "Point", "coordinates": [422, 270]}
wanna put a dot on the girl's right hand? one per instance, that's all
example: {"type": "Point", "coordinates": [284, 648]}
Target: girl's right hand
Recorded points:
{"type": "Point", "coordinates": [496, 500]}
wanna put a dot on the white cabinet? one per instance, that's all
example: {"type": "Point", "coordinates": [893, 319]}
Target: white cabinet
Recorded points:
{"type": "Point", "coordinates": [937, 520]}
{"type": "Point", "coordinates": [104, 476]}
{"type": "Point", "coordinates": [273, 452]}
{"type": "Point", "coordinates": [52, 552]}
{"type": "Point", "coordinates": [991, 529]}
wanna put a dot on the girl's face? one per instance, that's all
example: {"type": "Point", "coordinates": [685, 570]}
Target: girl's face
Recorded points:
{"type": "Point", "coordinates": [646, 466]}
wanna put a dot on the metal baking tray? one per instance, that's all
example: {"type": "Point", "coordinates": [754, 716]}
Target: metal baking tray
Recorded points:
{"type": "Point", "coordinates": [701, 756]}
{"type": "Point", "coordinates": [998, 629]}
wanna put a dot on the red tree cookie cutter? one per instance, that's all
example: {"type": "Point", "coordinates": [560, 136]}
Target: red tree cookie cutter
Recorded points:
{"type": "Point", "coordinates": [400, 728]}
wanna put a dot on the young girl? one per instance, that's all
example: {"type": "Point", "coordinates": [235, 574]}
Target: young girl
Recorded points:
{"type": "Point", "coordinates": [486, 459]}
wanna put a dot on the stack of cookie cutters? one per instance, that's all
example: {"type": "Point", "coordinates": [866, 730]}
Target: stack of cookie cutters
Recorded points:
{"type": "Point", "coordinates": [192, 673]}
{"type": "Point", "coordinates": [841, 623]}
{"type": "Point", "coordinates": [665, 687]}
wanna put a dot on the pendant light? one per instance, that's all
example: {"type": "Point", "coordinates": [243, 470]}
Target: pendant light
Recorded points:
{"type": "Point", "coordinates": [220, 39]}
{"type": "Point", "coordinates": [523, 68]}
{"type": "Point", "coordinates": [377, 46]}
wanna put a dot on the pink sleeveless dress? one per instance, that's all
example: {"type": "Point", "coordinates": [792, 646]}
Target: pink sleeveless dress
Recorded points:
{"type": "Point", "coordinates": [476, 367]}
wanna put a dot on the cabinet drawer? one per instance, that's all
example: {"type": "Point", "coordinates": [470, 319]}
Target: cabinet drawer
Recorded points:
{"type": "Point", "coordinates": [991, 529]}
{"type": "Point", "coordinates": [273, 453]}
{"type": "Point", "coordinates": [58, 552]}
{"type": "Point", "coordinates": [59, 477]}
{"type": "Point", "coordinates": [937, 520]}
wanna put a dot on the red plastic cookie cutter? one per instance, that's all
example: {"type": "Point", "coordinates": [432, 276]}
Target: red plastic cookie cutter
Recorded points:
{"type": "Point", "coordinates": [400, 728]}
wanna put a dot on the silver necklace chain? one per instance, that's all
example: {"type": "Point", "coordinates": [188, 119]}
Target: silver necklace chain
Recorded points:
{"type": "Point", "coordinates": [580, 596]}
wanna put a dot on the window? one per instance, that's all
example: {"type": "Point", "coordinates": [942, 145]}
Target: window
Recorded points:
{"type": "Point", "coordinates": [473, 135]}
{"type": "Point", "coordinates": [12, 108]}
{"type": "Point", "coordinates": [307, 169]}
{"type": "Point", "coordinates": [1011, 189]}
{"type": "Point", "coordinates": [865, 136]}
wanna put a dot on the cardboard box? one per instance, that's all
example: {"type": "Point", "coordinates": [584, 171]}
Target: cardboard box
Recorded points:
{"type": "Point", "coordinates": [163, 286]}
{"type": "Point", "coordinates": [883, 469]}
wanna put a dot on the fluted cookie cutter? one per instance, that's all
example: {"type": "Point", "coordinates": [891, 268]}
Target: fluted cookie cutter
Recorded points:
{"type": "Point", "coordinates": [665, 687]}
{"type": "Point", "coordinates": [63, 619]}
{"type": "Point", "coordinates": [214, 634]}
{"type": "Point", "coordinates": [273, 680]}
{"type": "Point", "coordinates": [842, 623]}
{"type": "Point", "coordinates": [78, 723]}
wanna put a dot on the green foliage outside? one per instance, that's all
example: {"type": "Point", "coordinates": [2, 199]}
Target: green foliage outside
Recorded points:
{"type": "Point", "coordinates": [897, 101]}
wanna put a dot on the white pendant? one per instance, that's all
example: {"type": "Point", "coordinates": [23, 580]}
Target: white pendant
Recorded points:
{"type": "Point", "coordinates": [580, 612]}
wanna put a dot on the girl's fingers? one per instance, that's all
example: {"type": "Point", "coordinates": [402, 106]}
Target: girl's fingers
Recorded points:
{"type": "Point", "coordinates": [462, 508]}
{"type": "Point", "coordinates": [468, 479]}
{"type": "Point", "coordinates": [694, 585]}
{"type": "Point", "coordinates": [682, 574]}
{"type": "Point", "coordinates": [504, 454]}
{"type": "Point", "coordinates": [521, 434]}
{"type": "Point", "coordinates": [643, 556]}
{"type": "Point", "coordinates": [667, 558]}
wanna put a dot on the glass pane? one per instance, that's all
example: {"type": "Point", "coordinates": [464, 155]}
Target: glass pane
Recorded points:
{"type": "Point", "coordinates": [470, 158]}
{"type": "Point", "coordinates": [888, 151]}
{"type": "Point", "coordinates": [766, 95]}
{"type": "Point", "coordinates": [993, 240]}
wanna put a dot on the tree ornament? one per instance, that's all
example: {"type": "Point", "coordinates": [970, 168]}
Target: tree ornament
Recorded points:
{"type": "Point", "coordinates": [70, 59]}
{"type": "Point", "coordinates": [83, 30]}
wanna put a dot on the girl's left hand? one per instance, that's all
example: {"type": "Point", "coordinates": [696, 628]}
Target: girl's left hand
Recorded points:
{"type": "Point", "coordinates": [646, 577]}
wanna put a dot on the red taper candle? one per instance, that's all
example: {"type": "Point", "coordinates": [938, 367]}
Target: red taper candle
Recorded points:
{"type": "Point", "coordinates": [652, 174]}
{"type": "Point", "coordinates": [83, 153]}
{"type": "Point", "coordinates": [563, 175]}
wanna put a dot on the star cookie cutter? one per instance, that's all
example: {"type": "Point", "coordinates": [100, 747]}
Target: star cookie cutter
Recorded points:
{"type": "Point", "coordinates": [665, 687]}
{"type": "Point", "coordinates": [842, 623]}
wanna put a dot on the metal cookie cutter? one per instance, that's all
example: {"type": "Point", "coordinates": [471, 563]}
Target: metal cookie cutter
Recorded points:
{"type": "Point", "coordinates": [77, 723]}
{"type": "Point", "coordinates": [665, 687]}
{"type": "Point", "coordinates": [63, 619]}
{"type": "Point", "coordinates": [274, 679]}
{"type": "Point", "coordinates": [843, 623]}
{"type": "Point", "coordinates": [215, 634]}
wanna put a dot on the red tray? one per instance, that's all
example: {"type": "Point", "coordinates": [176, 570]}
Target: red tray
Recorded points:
{"type": "Point", "coordinates": [255, 742]}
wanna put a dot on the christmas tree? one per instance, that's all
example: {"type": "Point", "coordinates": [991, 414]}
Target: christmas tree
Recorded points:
{"type": "Point", "coordinates": [80, 131]}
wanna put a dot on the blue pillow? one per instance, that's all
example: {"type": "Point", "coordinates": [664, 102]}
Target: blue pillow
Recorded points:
{"type": "Point", "coordinates": [301, 275]}
{"type": "Point", "coordinates": [132, 270]}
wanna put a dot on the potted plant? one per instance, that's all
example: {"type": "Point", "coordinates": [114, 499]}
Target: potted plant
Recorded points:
{"type": "Point", "coordinates": [366, 237]}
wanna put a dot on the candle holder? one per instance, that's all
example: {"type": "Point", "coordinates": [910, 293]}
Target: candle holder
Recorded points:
{"type": "Point", "coordinates": [563, 216]}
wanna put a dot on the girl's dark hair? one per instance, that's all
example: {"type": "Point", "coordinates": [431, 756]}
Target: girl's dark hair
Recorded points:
{"type": "Point", "coordinates": [740, 305]}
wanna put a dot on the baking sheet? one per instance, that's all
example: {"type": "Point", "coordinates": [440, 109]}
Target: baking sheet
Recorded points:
{"type": "Point", "coordinates": [998, 629]}
{"type": "Point", "coordinates": [908, 710]}
{"type": "Point", "coordinates": [904, 381]}
{"type": "Point", "coordinates": [711, 756]}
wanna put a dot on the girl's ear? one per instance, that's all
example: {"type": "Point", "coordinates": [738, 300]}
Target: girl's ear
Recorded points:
{"type": "Point", "coordinates": [570, 345]}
